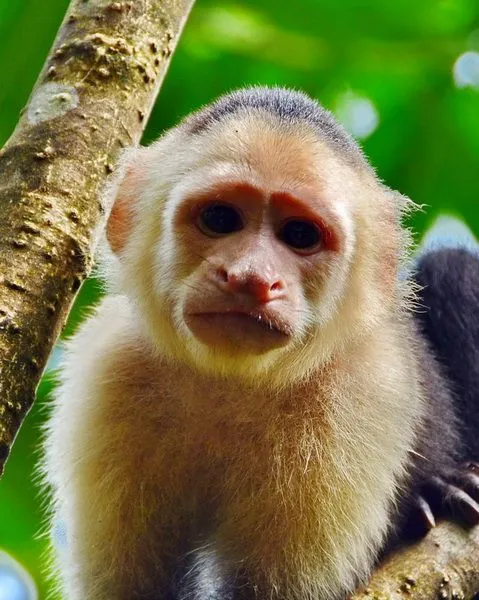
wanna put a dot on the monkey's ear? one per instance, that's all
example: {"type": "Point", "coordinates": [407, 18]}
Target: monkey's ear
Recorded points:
{"type": "Point", "coordinates": [122, 193]}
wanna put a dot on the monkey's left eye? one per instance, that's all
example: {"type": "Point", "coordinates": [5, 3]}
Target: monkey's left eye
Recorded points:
{"type": "Point", "coordinates": [219, 219]}
{"type": "Point", "coordinates": [301, 235]}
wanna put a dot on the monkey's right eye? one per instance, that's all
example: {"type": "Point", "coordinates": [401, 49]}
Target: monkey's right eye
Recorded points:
{"type": "Point", "coordinates": [219, 219]}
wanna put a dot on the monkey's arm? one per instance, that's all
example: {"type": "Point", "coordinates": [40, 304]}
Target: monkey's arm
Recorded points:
{"type": "Point", "coordinates": [113, 466]}
{"type": "Point", "coordinates": [442, 484]}
{"type": "Point", "coordinates": [448, 318]}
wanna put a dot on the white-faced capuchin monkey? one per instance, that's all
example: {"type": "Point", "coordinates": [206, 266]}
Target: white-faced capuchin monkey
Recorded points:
{"type": "Point", "coordinates": [251, 412]}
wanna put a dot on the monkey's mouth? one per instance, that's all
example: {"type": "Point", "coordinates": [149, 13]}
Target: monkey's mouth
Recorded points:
{"type": "Point", "coordinates": [255, 331]}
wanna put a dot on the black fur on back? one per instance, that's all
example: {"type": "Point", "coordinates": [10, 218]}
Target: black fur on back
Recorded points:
{"type": "Point", "coordinates": [289, 106]}
{"type": "Point", "coordinates": [449, 278]}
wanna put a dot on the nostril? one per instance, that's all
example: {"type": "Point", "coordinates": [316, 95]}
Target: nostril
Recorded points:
{"type": "Point", "coordinates": [276, 287]}
{"type": "Point", "coordinates": [222, 275]}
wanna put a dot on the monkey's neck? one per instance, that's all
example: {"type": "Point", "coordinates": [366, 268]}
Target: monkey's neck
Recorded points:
{"type": "Point", "coordinates": [377, 366]}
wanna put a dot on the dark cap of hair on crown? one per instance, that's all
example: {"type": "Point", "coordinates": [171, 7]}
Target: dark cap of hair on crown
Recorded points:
{"type": "Point", "coordinates": [289, 106]}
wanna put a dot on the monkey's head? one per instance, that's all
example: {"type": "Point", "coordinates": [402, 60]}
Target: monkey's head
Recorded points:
{"type": "Point", "coordinates": [255, 236]}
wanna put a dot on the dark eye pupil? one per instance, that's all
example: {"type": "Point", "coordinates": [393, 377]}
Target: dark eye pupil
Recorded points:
{"type": "Point", "coordinates": [220, 219]}
{"type": "Point", "coordinates": [300, 234]}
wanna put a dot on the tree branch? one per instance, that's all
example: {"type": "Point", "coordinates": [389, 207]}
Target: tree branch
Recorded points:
{"type": "Point", "coordinates": [92, 99]}
{"type": "Point", "coordinates": [444, 565]}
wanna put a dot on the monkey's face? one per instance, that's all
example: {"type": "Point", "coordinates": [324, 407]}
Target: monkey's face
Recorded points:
{"type": "Point", "coordinates": [260, 252]}
{"type": "Point", "coordinates": [250, 252]}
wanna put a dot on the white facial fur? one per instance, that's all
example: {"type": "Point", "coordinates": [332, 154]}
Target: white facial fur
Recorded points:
{"type": "Point", "coordinates": [329, 296]}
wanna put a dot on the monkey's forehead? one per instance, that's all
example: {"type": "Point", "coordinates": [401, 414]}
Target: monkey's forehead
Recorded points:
{"type": "Point", "coordinates": [290, 107]}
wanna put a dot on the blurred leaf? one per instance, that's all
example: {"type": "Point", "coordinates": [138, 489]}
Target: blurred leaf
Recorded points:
{"type": "Point", "coordinates": [20, 497]}
{"type": "Point", "coordinates": [90, 293]}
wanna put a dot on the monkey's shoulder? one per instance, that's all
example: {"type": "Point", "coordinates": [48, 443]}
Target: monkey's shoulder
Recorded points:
{"type": "Point", "coordinates": [113, 393]}
{"type": "Point", "coordinates": [110, 360]}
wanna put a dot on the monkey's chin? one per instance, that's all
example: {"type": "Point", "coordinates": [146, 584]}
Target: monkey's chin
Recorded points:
{"type": "Point", "coordinates": [236, 333]}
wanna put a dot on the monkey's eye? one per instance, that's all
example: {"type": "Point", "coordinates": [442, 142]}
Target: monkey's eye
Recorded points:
{"type": "Point", "coordinates": [301, 235]}
{"type": "Point", "coordinates": [219, 219]}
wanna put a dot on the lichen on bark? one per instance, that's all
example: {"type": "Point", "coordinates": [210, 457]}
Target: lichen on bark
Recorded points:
{"type": "Point", "coordinates": [92, 99]}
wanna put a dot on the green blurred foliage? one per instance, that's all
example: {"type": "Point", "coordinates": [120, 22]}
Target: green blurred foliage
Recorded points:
{"type": "Point", "coordinates": [397, 54]}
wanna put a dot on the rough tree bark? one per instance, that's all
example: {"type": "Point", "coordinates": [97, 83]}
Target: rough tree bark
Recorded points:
{"type": "Point", "coordinates": [444, 565]}
{"type": "Point", "coordinates": [92, 98]}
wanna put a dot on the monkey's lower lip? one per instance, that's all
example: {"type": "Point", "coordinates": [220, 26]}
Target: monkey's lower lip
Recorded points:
{"type": "Point", "coordinates": [255, 331]}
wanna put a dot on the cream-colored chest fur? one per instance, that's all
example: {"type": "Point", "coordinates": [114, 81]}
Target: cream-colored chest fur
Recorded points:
{"type": "Point", "coordinates": [296, 481]}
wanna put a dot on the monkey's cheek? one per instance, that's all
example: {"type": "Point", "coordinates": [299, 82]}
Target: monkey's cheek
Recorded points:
{"type": "Point", "coordinates": [235, 333]}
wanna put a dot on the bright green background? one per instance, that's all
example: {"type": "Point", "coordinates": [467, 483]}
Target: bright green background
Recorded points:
{"type": "Point", "coordinates": [397, 53]}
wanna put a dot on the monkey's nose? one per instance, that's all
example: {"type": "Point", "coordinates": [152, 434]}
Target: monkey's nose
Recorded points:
{"type": "Point", "coordinates": [262, 289]}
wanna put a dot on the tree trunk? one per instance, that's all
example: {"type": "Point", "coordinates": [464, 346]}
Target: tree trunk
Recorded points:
{"type": "Point", "coordinates": [92, 98]}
